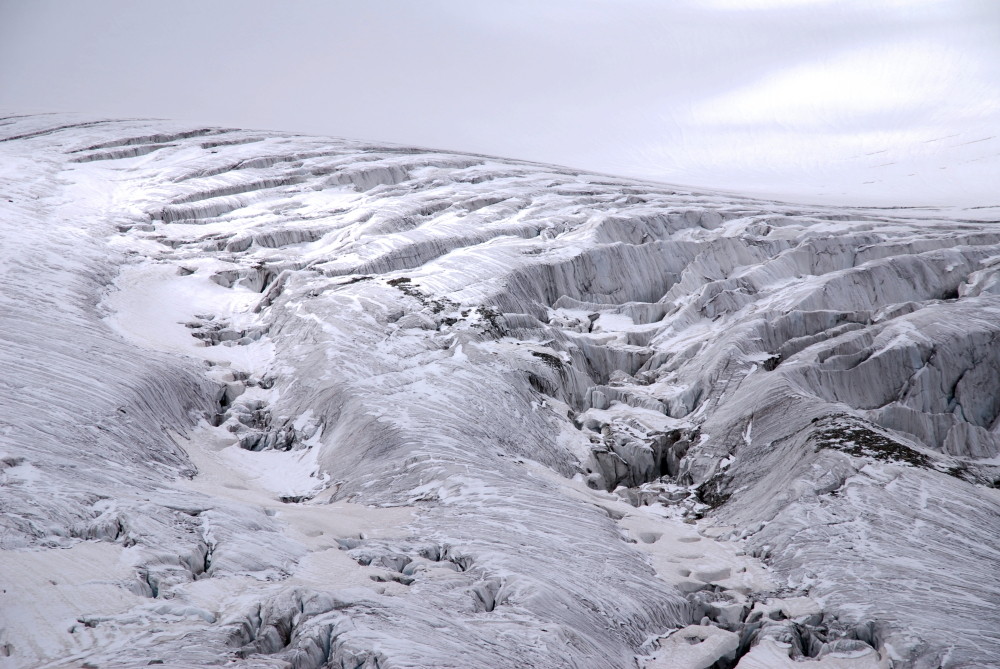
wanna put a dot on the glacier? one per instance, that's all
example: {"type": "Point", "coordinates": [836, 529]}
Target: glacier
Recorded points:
{"type": "Point", "coordinates": [272, 400]}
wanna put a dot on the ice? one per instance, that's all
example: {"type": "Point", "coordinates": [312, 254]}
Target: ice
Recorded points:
{"type": "Point", "coordinates": [272, 399]}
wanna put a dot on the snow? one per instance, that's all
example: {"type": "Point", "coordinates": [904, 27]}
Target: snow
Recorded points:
{"type": "Point", "coordinates": [694, 647]}
{"type": "Point", "coordinates": [150, 305]}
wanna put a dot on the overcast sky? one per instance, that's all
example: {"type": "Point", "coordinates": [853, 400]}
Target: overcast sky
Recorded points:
{"type": "Point", "coordinates": [874, 100]}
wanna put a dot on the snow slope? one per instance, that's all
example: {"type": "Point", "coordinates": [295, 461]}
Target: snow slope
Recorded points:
{"type": "Point", "coordinates": [291, 401]}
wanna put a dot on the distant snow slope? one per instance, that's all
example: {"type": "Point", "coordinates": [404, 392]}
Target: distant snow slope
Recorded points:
{"type": "Point", "coordinates": [292, 401]}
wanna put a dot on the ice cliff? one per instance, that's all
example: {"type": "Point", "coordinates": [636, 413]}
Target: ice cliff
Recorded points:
{"type": "Point", "coordinates": [272, 400]}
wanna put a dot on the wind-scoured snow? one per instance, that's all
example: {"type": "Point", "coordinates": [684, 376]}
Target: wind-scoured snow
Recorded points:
{"type": "Point", "coordinates": [277, 400]}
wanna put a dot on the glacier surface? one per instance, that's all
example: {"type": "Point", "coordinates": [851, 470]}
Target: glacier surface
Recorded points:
{"type": "Point", "coordinates": [273, 400]}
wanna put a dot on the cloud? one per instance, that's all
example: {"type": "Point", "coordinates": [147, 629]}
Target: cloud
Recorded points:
{"type": "Point", "coordinates": [750, 5]}
{"type": "Point", "coordinates": [858, 86]}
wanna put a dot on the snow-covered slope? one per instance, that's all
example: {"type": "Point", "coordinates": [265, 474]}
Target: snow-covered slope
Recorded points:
{"type": "Point", "coordinates": [275, 399]}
